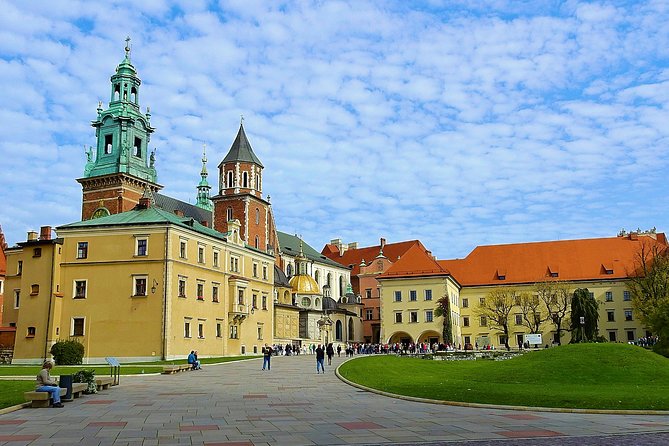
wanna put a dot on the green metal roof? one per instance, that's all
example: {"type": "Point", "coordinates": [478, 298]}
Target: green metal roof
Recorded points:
{"type": "Point", "coordinates": [151, 215]}
{"type": "Point", "coordinates": [290, 245]}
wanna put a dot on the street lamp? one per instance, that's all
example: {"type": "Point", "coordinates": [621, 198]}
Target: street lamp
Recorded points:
{"type": "Point", "coordinates": [582, 321]}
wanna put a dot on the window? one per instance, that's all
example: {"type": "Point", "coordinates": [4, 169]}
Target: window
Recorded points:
{"type": "Point", "coordinates": [137, 147]}
{"type": "Point", "coordinates": [465, 303]}
{"type": "Point", "coordinates": [264, 302]}
{"type": "Point", "coordinates": [412, 295]}
{"type": "Point", "coordinates": [79, 289]}
{"type": "Point", "coordinates": [240, 297]}
{"type": "Point", "coordinates": [609, 296]}
{"type": "Point", "coordinates": [215, 259]}
{"type": "Point", "coordinates": [519, 319]}
{"type": "Point", "coordinates": [233, 332]}
{"type": "Point", "coordinates": [626, 296]}
{"type": "Point", "coordinates": [200, 330]}
{"type": "Point", "coordinates": [591, 295]}
{"type": "Point", "coordinates": [82, 250]}
{"type": "Point", "coordinates": [259, 332]}
{"type": "Point", "coordinates": [398, 318]}
{"type": "Point", "coordinates": [245, 179]}
{"type": "Point", "coordinates": [219, 333]}
{"type": "Point", "coordinates": [182, 287]}
{"type": "Point", "coordinates": [369, 313]}
{"type": "Point", "coordinates": [229, 214]}
{"type": "Point", "coordinates": [200, 290]}
{"type": "Point", "coordinates": [429, 316]}
{"type": "Point", "coordinates": [612, 336]}
{"type": "Point", "coordinates": [140, 286]}
{"type": "Point", "coordinates": [183, 249]}
{"type": "Point", "coordinates": [398, 296]}
{"type": "Point", "coordinates": [610, 316]}
{"type": "Point", "coordinates": [428, 294]}
{"type": "Point", "coordinates": [413, 317]}
{"type": "Point", "coordinates": [630, 335]}
{"type": "Point", "coordinates": [483, 322]}
{"type": "Point", "coordinates": [229, 181]}
{"type": "Point", "coordinates": [34, 289]}
{"type": "Point", "coordinates": [289, 270]}
{"type": "Point", "coordinates": [257, 216]}
{"type": "Point", "coordinates": [234, 264]}
{"type": "Point", "coordinates": [187, 329]}
{"type": "Point", "coordinates": [2, 287]}
{"type": "Point", "coordinates": [465, 321]}
{"type": "Point", "coordinates": [255, 270]}
{"type": "Point", "coordinates": [77, 328]}
{"type": "Point", "coordinates": [37, 252]}
{"type": "Point", "coordinates": [264, 272]}
{"type": "Point", "coordinates": [214, 293]}
{"type": "Point", "coordinates": [17, 298]}
{"type": "Point", "coordinates": [628, 315]}
{"type": "Point", "coordinates": [31, 332]}
{"type": "Point", "coordinates": [142, 248]}
{"type": "Point", "coordinates": [19, 268]}
{"type": "Point", "coordinates": [254, 301]}
{"type": "Point", "coordinates": [481, 300]}
{"type": "Point", "coordinates": [368, 293]}
{"type": "Point", "coordinates": [200, 254]}
{"type": "Point", "coordinates": [109, 140]}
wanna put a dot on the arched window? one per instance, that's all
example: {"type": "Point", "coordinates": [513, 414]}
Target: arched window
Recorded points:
{"type": "Point", "coordinates": [245, 179]}
{"type": "Point", "coordinates": [342, 287]}
{"type": "Point", "coordinates": [350, 329]}
{"type": "Point", "coordinates": [329, 282]}
{"type": "Point", "coordinates": [133, 95]}
{"type": "Point", "coordinates": [229, 214]}
{"type": "Point", "coordinates": [117, 92]}
{"type": "Point", "coordinates": [230, 178]}
{"type": "Point", "coordinates": [338, 331]}
{"type": "Point", "coordinates": [289, 270]}
{"type": "Point", "coordinates": [257, 216]}
{"type": "Point", "coordinates": [257, 242]}
{"type": "Point", "coordinates": [317, 277]}
{"type": "Point", "coordinates": [258, 185]}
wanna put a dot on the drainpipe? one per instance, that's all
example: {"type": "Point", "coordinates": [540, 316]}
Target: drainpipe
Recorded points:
{"type": "Point", "coordinates": [48, 314]}
{"type": "Point", "coordinates": [164, 352]}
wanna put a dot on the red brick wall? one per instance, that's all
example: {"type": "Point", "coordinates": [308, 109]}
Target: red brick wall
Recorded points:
{"type": "Point", "coordinates": [111, 200]}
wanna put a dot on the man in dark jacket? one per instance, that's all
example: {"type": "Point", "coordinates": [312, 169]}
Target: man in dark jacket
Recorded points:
{"type": "Point", "coordinates": [320, 357]}
{"type": "Point", "coordinates": [267, 356]}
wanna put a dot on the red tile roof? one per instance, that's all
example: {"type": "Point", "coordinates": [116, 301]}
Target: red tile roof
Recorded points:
{"type": "Point", "coordinates": [585, 259]}
{"type": "Point", "coordinates": [416, 262]}
{"type": "Point", "coordinates": [354, 257]}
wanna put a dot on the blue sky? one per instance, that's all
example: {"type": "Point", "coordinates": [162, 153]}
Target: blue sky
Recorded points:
{"type": "Point", "coordinates": [459, 125]}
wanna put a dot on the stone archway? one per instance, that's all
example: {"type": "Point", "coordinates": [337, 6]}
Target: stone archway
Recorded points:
{"type": "Point", "coordinates": [400, 337]}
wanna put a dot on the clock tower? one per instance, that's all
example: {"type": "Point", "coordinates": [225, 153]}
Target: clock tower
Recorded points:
{"type": "Point", "coordinates": [119, 169]}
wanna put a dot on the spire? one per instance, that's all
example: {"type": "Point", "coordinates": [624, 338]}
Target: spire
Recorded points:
{"type": "Point", "coordinates": [203, 200]}
{"type": "Point", "coordinates": [241, 149]}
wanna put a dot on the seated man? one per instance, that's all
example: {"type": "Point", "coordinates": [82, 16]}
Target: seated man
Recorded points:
{"type": "Point", "coordinates": [46, 384]}
{"type": "Point", "coordinates": [193, 361]}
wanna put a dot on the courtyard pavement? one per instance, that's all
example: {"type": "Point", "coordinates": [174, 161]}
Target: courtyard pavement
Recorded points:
{"type": "Point", "coordinates": [238, 404]}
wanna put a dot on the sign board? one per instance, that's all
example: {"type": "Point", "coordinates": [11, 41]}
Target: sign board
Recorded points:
{"type": "Point", "coordinates": [482, 341]}
{"type": "Point", "coordinates": [533, 338]}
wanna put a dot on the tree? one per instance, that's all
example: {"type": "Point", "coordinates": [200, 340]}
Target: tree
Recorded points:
{"type": "Point", "coordinates": [557, 298]}
{"type": "Point", "coordinates": [584, 316]}
{"type": "Point", "coordinates": [530, 307]}
{"type": "Point", "coordinates": [444, 310]}
{"type": "Point", "coordinates": [649, 289]}
{"type": "Point", "coordinates": [496, 308]}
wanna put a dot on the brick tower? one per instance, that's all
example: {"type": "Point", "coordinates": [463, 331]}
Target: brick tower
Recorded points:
{"type": "Point", "coordinates": [240, 196]}
{"type": "Point", "coordinates": [118, 171]}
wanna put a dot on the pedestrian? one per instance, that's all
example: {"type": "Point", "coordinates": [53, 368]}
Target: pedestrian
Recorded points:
{"type": "Point", "coordinates": [266, 356]}
{"type": "Point", "coordinates": [330, 352]}
{"type": "Point", "coordinates": [46, 384]}
{"type": "Point", "coordinates": [320, 357]}
{"type": "Point", "coordinates": [338, 350]}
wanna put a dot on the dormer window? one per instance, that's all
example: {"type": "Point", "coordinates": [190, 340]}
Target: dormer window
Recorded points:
{"type": "Point", "coordinates": [500, 274]}
{"type": "Point", "coordinates": [607, 268]}
{"type": "Point", "coordinates": [553, 271]}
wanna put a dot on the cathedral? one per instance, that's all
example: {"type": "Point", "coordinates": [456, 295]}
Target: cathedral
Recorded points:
{"type": "Point", "coordinates": [144, 276]}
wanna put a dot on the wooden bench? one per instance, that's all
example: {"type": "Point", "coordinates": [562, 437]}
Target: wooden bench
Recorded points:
{"type": "Point", "coordinates": [104, 382]}
{"type": "Point", "coordinates": [170, 369]}
{"type": "Point", "coordinates": [41, 399]}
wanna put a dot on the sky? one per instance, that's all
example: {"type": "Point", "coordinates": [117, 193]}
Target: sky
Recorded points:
{"type": "Point", "coordinates": [457, 123]}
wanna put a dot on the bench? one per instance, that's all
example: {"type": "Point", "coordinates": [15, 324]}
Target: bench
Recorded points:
{"type": "Point", "coordinates": [170, 369]}
{"type": "Point", "coordinates": [41, 399]}
{"type": "Point", "coordinates": [78, 389]}
{"type": "Point", "coordinates": [104, 382]}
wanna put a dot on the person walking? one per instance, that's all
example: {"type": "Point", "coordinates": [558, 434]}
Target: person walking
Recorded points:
{"type": "Point", "coordinates": [338, 350]}
{"type": "Point", "coordinates": [46, 384]}
{"type": "Point", "coordinates": [320, 357]}
{"type": "Point", "coordinates": [330, 352]}
{"type": "Point", "coordinates": [266, 356]}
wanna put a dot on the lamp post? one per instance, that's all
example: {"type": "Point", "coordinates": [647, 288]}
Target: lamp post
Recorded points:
{"type": "Point", "coordinates": [582, 321]}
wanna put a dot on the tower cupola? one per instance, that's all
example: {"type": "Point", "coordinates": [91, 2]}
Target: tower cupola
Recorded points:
{"type": "Point", "coordinates": [203, 188]}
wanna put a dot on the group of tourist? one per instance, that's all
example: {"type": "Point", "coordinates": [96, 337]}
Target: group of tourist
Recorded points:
{"type": "Point", "coordinates": [646, 341]}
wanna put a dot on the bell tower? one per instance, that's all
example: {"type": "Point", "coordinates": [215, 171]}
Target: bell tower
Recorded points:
{"type": "Point", "coordinates": [119, 168]}
{"type": "Point", "coordinates": [240, 196]}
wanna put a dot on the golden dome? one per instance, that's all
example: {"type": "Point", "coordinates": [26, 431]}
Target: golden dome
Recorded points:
{"type": "Point", "coordinates": [304, 284]}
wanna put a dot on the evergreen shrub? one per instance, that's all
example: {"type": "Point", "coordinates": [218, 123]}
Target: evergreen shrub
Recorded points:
{"type": "Point", "coordinates": [68, 352]}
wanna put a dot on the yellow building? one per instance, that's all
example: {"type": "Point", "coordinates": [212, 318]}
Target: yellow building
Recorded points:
{"type": "Point", "coordinates": [142, 285]}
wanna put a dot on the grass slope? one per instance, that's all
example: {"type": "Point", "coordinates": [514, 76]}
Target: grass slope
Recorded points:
{"type": "Point", "coordinates": [592, 376]}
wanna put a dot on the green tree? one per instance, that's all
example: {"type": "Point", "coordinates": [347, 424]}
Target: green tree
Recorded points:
{"type": "Point", "coordinates": [443, 310]}
{"type": "Point", "coordinates": [496, 308]}
{"type": "Point", "coordinates": [584, 316]}
{"type": "Point", "coordinates": [649, 289]}
{"type": "Point", "coordinates": [556, 296]}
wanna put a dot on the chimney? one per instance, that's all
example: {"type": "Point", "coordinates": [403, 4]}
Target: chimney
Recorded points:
{"type": "Point", "coordinates": [205, 223]}
{"type": "Point", "coordinates": [144, 202]}
{"type": "Point", "coordinates": [383, 243]}
{"type": "Point", "coordinates": [353, 245]}
{"type": "Point", "coordinates": [178, 213]}
{"type": "Point", "coordinates": [45, 233]}
{"type": "Point", "coordinates": [32, 236]}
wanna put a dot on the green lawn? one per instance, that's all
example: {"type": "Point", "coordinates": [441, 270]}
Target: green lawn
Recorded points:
{"type": "Point", "coordinates": [593, 376]}
{"type": "Point", "coordinates": [11, 392]}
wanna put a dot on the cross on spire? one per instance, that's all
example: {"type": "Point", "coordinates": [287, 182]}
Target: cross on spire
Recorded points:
{"type": "Point", "coordinates": [127, 47]}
